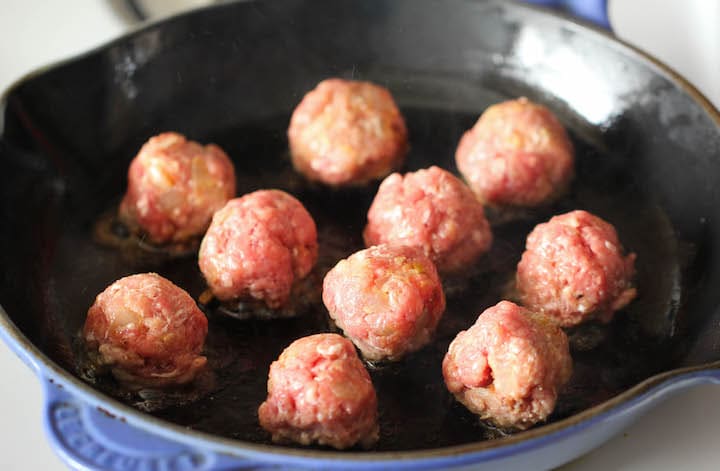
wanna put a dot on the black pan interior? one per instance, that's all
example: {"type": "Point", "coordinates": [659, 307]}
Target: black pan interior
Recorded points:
{"type": "Point", "coordinates": [646, 156]}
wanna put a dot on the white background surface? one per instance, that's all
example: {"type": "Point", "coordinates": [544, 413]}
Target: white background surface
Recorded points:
{"type": "Point", "coordinates": [682, 433]}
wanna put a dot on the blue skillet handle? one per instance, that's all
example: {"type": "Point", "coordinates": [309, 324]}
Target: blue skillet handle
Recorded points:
{"type": "Point", "coordinates": [591, 10]}
{"type": "Point", "coordinates": [89, 439]}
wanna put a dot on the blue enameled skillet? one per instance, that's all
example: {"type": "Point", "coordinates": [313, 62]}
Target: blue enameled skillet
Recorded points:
{"type": "Point", "coordinates": [648, 160]}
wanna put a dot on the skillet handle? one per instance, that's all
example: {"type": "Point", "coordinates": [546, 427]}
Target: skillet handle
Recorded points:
{"type": "Point", "coordinates": [88, 438]}
{"type": "Point", "coordinates": [595, 11]}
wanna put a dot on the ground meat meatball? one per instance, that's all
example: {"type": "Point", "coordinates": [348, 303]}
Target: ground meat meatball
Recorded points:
{"type": "Point", "coordinates": [347, 132]}
{"type": "Point", "coordinates": [433, 210]}
{"type": "Point", "coordinates": [148, 331]}
{"type": "Point", "coordinates": [509, 366]}
{"type": "Point", "coordinates": [387, 299]}
{"type": "Point", "coordinates": [573, 269]}
{"type": "Point", "coordinates": [174, 187]}
{"type": "Point", "coordinates": [517, 154]}
{"type": "Point", "coordinates": [257, 246]}
{"type": "Point", "coordinates": [319, 392]}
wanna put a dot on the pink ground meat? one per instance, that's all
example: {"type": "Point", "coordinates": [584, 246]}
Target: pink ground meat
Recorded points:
{"type": "Point", "coordinates": [258, 246]}
{"type": "Point", "coordinates": [433, 210]}
{"type": "Point", "coordinates": [147, 330]}
{"type": "Point", "coordinates": [573, 270]}
{"type": "Point", "coordinates": [347, 132]}
{"type": "Point", "coordinates": [174, 187]}
{"type": "Point", "coordinates": [509, 366]}
{"type": "Point", "coordinates": [517, 154]}
{"type": "Point", "coordinates": [386, 299]}
{"type": "Point", "coordinates": [319, 392]}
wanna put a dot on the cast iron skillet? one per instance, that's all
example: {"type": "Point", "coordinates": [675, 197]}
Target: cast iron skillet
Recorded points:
{"type": "Point", "coordinates": [647, 150]}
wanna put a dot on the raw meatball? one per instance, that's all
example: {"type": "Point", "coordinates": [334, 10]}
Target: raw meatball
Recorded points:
{"type": "Point", "coordinates": [257, 246]}
{"type": "Point", "coordinates": [432, 210]}
{"type": "Point", "coordinates": [346, 133]}
{"type": "Point", "coordinates": [509, 366]}
{"type": "Point", "coordinates": [174, 187]}
{"type": "Point", "coordinates": [147, 330]}
{"type": "Point", "coordinates": [517, 154]}
{"type": "Point", "coordinates": [387, 299]}
{"type": "Point", "coordinates": [319, 392]}
{"type": "Point", "coordinates": [573, 269]}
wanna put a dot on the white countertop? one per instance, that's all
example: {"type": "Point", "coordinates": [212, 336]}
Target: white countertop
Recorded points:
{"type": "Point", "coordinates": [683, 432]}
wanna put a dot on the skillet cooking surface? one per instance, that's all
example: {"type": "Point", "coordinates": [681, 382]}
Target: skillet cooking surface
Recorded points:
{"type": "Point", "coordinates": [74, 159]}
{"type": "Point", "coordinates": [416, 411]}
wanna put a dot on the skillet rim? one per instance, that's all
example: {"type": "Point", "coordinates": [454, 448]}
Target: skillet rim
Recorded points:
{"type": "Point", "coordinates": [47, 370]}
